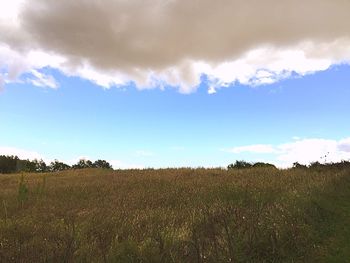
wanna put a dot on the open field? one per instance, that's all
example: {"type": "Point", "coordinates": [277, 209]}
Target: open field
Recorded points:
{"type": "Point", "coordinates": [176, 215]}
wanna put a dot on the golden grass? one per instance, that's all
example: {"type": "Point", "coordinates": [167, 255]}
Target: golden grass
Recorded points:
{"type": "Point", "coordinates": [169, 215]}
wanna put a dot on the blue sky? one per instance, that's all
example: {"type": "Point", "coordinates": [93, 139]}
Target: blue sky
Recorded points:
{"type": "Point", "coordinates": [160, 128]}
{"type": "Point", "coordinates": [175, 83]}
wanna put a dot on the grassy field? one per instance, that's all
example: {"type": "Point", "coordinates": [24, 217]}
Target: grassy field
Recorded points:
{"type": "Point", "coordinates": [176, 215]}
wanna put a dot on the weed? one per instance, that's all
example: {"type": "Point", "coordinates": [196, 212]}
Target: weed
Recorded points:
{"type": "Point", "coordinates": [22, 191]}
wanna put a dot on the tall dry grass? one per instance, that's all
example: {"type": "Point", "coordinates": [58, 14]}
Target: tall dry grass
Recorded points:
{"type": "Point", "coordinates": [169, 215]}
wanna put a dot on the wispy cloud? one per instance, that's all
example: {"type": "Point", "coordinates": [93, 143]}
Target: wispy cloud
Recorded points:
{"type": "Point", "coordinates": [42, 80]}
{"type": "Point", "coordinates": [156, 43]}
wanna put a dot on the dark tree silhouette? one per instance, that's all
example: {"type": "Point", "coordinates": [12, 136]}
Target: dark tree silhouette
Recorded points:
{"type": "Point", "coordinates": [9, 164]}
{"type": "Point", "coordinates": [102, 164]}
{"type": "Point", "coordinates": [245, 165]}
{"type": "Point", "coordinates": [82, 163]}
{"type": "Point", "coordinates": [56, 166]}
{"type": "Point", "coordinates": [239, 165]}
{"type": "Point", "coordinates": [12, 164]}
{"type": "Point", "coordinates": [266, 165]}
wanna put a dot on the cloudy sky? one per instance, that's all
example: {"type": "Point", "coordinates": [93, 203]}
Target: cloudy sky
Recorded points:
{"type": "Point", "coordinates": [158, 83]}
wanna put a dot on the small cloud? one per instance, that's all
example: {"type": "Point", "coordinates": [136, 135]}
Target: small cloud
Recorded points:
{"type": "Point", "coordinates": [211, 90]}
{"type": "Point", "coordinates": [118, 164]}
{"type": "Point", "coordinates": [42, 80]}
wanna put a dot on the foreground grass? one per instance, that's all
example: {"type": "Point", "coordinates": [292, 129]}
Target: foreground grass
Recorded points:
{"type": "Point", "coordinates": [176, 215]}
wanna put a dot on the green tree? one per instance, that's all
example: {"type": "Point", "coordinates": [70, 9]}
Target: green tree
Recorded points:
{"type": "Point", "coordinates": [102, 164]}
{"type": "Point", "coordinates": [40, 166]}
{"type": "Point", "coordinates": [265, 165]}
{"type": "Point", "coordinates": [9, 164]}
{"type": "Point", "coordinates": [82, 164]}
{"type": "Point", "coordinates": [56, 166]}
{"type": "Point", "coordinates": [239, 165]}
{"type": "Point", "coordinates": [298, 165]}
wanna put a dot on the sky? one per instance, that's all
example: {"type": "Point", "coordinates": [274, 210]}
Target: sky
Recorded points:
{"type": "Point", "coordinates": [174, 83]}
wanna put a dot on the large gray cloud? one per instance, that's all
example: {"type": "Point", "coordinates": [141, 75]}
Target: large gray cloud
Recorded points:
{"type": "Point", "coordinates": [150, 41]}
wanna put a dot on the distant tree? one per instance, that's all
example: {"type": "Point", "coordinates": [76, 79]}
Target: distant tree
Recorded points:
{"type": "Point", "coordinates": [35, 166]}
{"type": "Point", "coordinates": [102, 164]}
{"type": "Point", "coordinates": [40, 166]}
{"type": "Point", "coordinates": [266, 165]}
{"type": "Point", "coordinates": [316, 165]}
{"type": "Point", "coordinates": [28, 166]}
{"type": "Point", "coordinates": [82, 163]}
{"type": "Point", "coordinates": [341, 165]}
{"type": "Point", "coordinates": [240, 165]}
{"type": "Point", "coordinates": [56, 166]}
{"type": "Point", "coordinates": [298, 165]}
{"type": "Point", "coordinates": [8, 164]}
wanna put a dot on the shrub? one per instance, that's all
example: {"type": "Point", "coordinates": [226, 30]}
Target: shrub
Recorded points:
{"type": "Point", "coordinates": [240, 165]}
{"type": "Point", "coordinates": [264, 165]}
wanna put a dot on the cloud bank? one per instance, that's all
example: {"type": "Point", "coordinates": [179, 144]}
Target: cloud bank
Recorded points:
{"type": "Point", "coordinates": [154, 43]}
{"type": "Point", "coordinates": [303, 151]}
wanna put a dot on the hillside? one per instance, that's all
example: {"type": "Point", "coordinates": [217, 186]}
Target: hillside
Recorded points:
{"type": "Point", "coordinates": [176, 215]}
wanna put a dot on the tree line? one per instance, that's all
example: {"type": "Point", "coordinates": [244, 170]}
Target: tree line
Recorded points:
{"type": "Point", "coordinates": [314, 165]}
{"type": "Point", "coordinates": [245, 165]}
{"type": "Point", "coordinates": [12, 164]}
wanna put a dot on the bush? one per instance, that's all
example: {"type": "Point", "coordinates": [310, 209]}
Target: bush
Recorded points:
{"type": "Point", "coordinates": [298, 165]}
{"type": "Point", "coordinates": [57, 166]}
{"type": "Point", "coordinates": [240, 165]}
{"type": "Point", "coordinates": [264, 165]}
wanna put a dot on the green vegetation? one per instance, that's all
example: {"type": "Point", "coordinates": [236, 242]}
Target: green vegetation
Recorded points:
{"type": "Point", "coordinates": [12, 164]}
{"type": "Point", "coordinates": [245, 165]}
{"type": "Point", "coordinates": [257, 214]}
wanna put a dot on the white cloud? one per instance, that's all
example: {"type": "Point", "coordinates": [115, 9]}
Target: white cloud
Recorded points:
{"type": "Point", "coordinates": [303, 151]}
{"type": "Point", "coordinates": [9, 11]}
{"type": "Point", "coordinates": [156, 43]}
{"type": "Point", "coordinates": [211, 90]}
{"type": "Point", "coordinates": [117, 164]}
{"type": "Point", "coordinates": [21, 153]}
{"type": "Point", "coordinates": [42, 80]}
{"type": "Point", "coordinates": [13, 64]}
{"type": "Point", "coordinates": [344, 145]}
{"type": "Point", "coordinates": [309, 150]}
